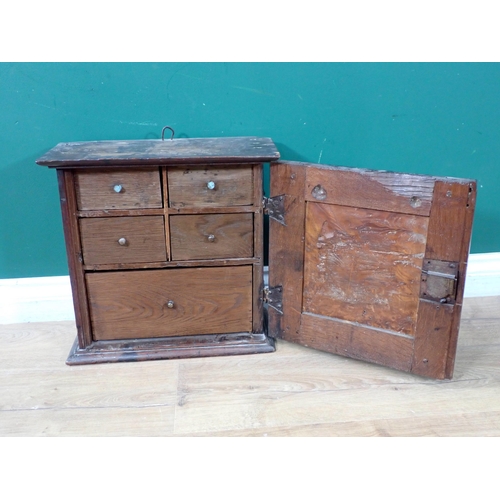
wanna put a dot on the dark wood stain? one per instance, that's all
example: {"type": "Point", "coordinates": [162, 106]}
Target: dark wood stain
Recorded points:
{"type": "Point", "coordinates": [113, 351]}
{"type": "Point", "coordinates": [74, 254]}
{"type": "Point", "coordinates": [157, 152]}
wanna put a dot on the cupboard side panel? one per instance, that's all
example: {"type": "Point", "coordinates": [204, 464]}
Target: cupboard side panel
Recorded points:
{"type": "Point", "coordinates": [74, 253]}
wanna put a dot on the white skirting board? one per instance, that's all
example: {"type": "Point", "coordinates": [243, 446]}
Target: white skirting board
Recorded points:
{"type": "Point", "coordinates": [26, 300]}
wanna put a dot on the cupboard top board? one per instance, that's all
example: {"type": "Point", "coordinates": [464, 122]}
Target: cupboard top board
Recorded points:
{"type": "Point", "coordinates": [161, 152]}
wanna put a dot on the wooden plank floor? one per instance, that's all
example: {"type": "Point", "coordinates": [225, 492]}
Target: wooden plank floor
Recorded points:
{"type": "Point", "coordinates": [293, 392]}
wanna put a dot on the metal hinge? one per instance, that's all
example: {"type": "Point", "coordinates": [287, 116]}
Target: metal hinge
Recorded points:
{"type": "Point", "coordinates": [439, 281]}
{"type": "Point", "coordinates": [275, 208]}
{"type": "Point", "coordinates": [273, 297]}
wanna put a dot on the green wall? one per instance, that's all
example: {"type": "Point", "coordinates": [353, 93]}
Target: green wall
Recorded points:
{"type": "Point", "coordinates": [441, 119]}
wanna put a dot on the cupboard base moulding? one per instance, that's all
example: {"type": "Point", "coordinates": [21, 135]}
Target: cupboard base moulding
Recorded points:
{"type": "Point", "coordinates": [171, 348]}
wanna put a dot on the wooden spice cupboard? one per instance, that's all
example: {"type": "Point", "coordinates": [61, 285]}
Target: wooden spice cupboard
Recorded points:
{"type": "Point", "coordinates": [165, 251]}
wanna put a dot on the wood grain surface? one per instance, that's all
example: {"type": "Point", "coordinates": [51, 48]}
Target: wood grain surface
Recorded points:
{"type": "Point", "coordinates": [144, 240]}
{"type": "Point", "coordinates": [188, 187]}
{"type": "Point", "coordinates": [211, 236]}
{"type": "Point", "coordinates": [364, 265]}
{"type": "Point", "coordinates": [140, 188]}
{"type": "Point", "coordinates": [286, 249]}
{"type": "Point", "coordinates": [172, 264]}
{"type": "Point", "coordinates": [388, 191]}
{"type": "Point", "coordinates": [449, 234]}
{"type": "Point", "coordinates": [158, 152]}
{"type": "Point", "coordinates": [72, 240]}
{"type": "Point", "coordinates": [295, 391]}
{"type": "Point", "coordinates": [367, 235]}
{"type": "Point", "coordinates": [134, 304]}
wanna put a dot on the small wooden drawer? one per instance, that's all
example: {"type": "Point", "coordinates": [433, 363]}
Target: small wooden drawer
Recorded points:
{"type": "Point", "coordinates": [170, 302]}
{"type": "Point", "coordinates": [211, 236]}
{"type": "Point", "coordinates": [115, 240]}
{"type": "Point", "coordinates": [116, 189]}
{"type": "Point", "coordinates": [210, 187]}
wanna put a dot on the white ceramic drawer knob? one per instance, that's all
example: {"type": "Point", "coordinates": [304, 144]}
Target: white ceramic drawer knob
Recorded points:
{"type": "Point", "coordinates": [122, 241]}
{"type": "Point", "coordinates": [211, 185]}
{"type": "Point", "coordinates": [117, 188]}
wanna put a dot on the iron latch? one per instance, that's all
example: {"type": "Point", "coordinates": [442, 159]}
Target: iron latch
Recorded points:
{"type": "Point", "coordinates": [273, 297]}
{"type": "Point", "coordinates": [275, 208]}
{"type": "Point", "coordinates": [439, 281]}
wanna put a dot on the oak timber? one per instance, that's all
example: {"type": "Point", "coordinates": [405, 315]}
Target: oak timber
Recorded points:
{"type": "Point", "coordinates": [123, 240]}
{"type": "Point", "coordinates": [232, 186]}
{"type": "Point", "coordinates": [158, 152]}
{"type": "Point", "coordinates": [211, 236]}
{"type": "Point", "coordinates": [140, 201]}
{"type": "Point", "coordinates": [138, 188]}
{"type": "Point", "coordinates": [364, 265]}
{"type": "Point", "coordinates": [165, 303]}
{"type": "Point", "coordinates": [374, 189]}
{"type": "Point", "coordinates": [173, 264]}
{"type": "Point", "coordinates": [286, 249]}
{"type": "Point", "coordinates": [365, 236]}
{"type": "Point", "coordinates": [67, 197]}
{"type": "Point", "coordinates": [258, 250]}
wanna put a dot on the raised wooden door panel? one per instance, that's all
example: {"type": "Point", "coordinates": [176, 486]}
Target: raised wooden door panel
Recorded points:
{"type": "Point", "coordinates": [210, 186]}
{"type": "Point", "coordinates": [363, 265]}
{"type": "Point", "coordinates": [115, 189]}
{"type": "Point", "coordinates": [170, 302]}
{"type": "Point", "coordinates": [211, 236]}
{"type": "Point", "coordinates": [372, 264]}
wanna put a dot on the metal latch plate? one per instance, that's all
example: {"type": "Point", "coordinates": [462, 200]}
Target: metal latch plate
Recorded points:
{"type": "Point", "coordinates": [439, 281]}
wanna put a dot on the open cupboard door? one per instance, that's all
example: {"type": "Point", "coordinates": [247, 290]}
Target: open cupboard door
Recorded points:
{"type": "Point", "coordinates": [369, 264]}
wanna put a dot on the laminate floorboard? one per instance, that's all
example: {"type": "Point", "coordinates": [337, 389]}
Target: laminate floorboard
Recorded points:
{"type": "Point", "coordinates": [295, 391]}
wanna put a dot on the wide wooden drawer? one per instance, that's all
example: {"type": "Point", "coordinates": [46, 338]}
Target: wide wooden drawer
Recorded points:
{"type": "Point", "coordinates": [106, 189]}
{"type": "Point", "coordinates": [115, 240]}
{"type": "Point", "coordinates": [170, 302]}
{"type": "Point", "coordinates": [210, 187]}
{"type": "Point", "coordinates": [211, 236]}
